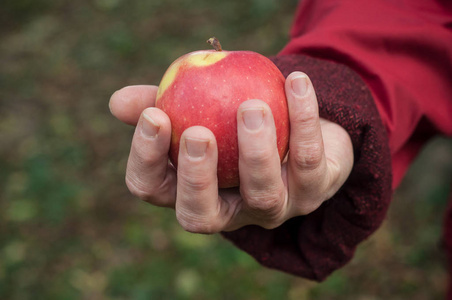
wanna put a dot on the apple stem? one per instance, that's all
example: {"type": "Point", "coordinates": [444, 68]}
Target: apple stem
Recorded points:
{"type": "Point", "coordinates": [215, 43]}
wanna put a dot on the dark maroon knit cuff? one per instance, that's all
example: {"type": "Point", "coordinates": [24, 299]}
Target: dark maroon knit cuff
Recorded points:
{"type": "Point", "coordinates": [315, 245]}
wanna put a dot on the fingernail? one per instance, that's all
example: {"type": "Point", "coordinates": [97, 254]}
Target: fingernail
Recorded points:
{"type": "Point", "coordinates": [109, 106]}
{"type": "Point", "coordinates": [149, 127]}
{"type": "Point", "coordinates": [300, 85]}
{"type": "Point", "coordinates": [109, 102]}
{"type": "Point", "coordinates": [253, 118]}
{"type": "Point", "coordinates": [196, 148]}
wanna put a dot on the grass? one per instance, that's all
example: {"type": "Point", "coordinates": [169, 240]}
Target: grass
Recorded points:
{"type": "Point", "coordinates": [69, 229]}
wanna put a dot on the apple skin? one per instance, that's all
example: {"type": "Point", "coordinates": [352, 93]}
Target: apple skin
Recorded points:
{"type": "Point", "coordinates": [206, 88]}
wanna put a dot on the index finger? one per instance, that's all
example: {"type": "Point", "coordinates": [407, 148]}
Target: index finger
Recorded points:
{"type": "Point", "coordinates": [307, 162]}
{"type": "Point", "coordinates": [128, 103]}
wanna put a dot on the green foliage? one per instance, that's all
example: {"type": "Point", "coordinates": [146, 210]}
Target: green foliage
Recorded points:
{"type": "Point", "coordinates": [69, 229]}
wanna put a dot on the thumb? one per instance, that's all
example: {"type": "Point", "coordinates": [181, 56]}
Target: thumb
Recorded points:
{"type": "Point", "coordinates": [338, 153]}
{"type": "Point", "coordinates": [128, 103]}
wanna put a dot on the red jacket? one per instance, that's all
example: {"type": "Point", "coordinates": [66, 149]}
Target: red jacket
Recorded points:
{"type": "Point", "coordinates": [383, 70]}
{"type": "Point", "coordinates": [403, 52]}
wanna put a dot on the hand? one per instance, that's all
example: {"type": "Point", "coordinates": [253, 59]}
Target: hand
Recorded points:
{"type": "Point", "coordinates": [319, 161]}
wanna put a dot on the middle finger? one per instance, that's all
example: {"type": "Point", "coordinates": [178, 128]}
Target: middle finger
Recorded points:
{"type": "Point", "coordinates": [261, 184]}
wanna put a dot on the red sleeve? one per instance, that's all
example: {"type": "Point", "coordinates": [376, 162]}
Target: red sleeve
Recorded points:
{"type": "Point", "coordinates": [401, 49]}
{"type": "Point", "coordinates": [383, 71]}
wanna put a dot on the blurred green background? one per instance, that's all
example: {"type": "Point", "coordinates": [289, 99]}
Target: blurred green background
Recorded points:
{"type": "Point", "coordinates": [69, 229]}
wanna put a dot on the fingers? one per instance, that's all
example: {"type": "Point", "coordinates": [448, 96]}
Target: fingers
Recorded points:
{"type": "Point", "coordinates": [128, 103]}
{"type": "Point", "coordinates": [319, 161]}
{"type": "Point", "coordinates": [307, 162]}
{"type": "Point", "coordinates": [148, 175]}
{"type": "Point", "coordinates": [198, 206]}
{"type": "Point", "coordinates": [261, 184]}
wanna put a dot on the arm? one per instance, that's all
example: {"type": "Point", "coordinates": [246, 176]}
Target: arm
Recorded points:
{"type": "Point", "coordinates": [314, 245]}
{"type": "Point", "coordinates": [382, 71]}
{"type": "Point", "coordinates": [400, 50]}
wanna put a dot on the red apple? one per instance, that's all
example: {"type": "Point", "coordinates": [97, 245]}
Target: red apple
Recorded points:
{"type": "Point", "coordinates": [206, 88]}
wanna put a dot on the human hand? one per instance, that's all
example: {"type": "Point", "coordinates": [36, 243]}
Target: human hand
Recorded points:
{"type": "Point", "coordinates": [319, 161]}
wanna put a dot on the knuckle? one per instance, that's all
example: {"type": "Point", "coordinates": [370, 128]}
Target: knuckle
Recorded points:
{"type": "Point", "coordinates": [266, 205]}
{"type": "Point", "coordinates": [307, 117]}
{"type": "Point", "coordinates": [146, 156]}
{"type": "Point", "coordinates": [198, 228]}
{"type": "Point", "coordinates": [308, 157]}
{"type": "Point", "coordinates": [258, 158]}
{"type": "Point", "coordinates": [194, 224]}
{"type": "Point", "coordinates": [194, 182]}
{"type": "Point", "coordinates": [141, 190]}
{"type": "Point", "coordinates": [136, 188]}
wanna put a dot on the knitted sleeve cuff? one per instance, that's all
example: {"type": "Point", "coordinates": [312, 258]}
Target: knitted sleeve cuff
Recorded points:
{"type": "Point", "coordinates": [315, 245]}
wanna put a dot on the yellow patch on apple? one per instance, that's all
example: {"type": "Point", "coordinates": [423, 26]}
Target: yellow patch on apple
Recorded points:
{"type": "Point", "coordinates": [195, 59]}
{"type": "Point", "coordinates": [204, 58]}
